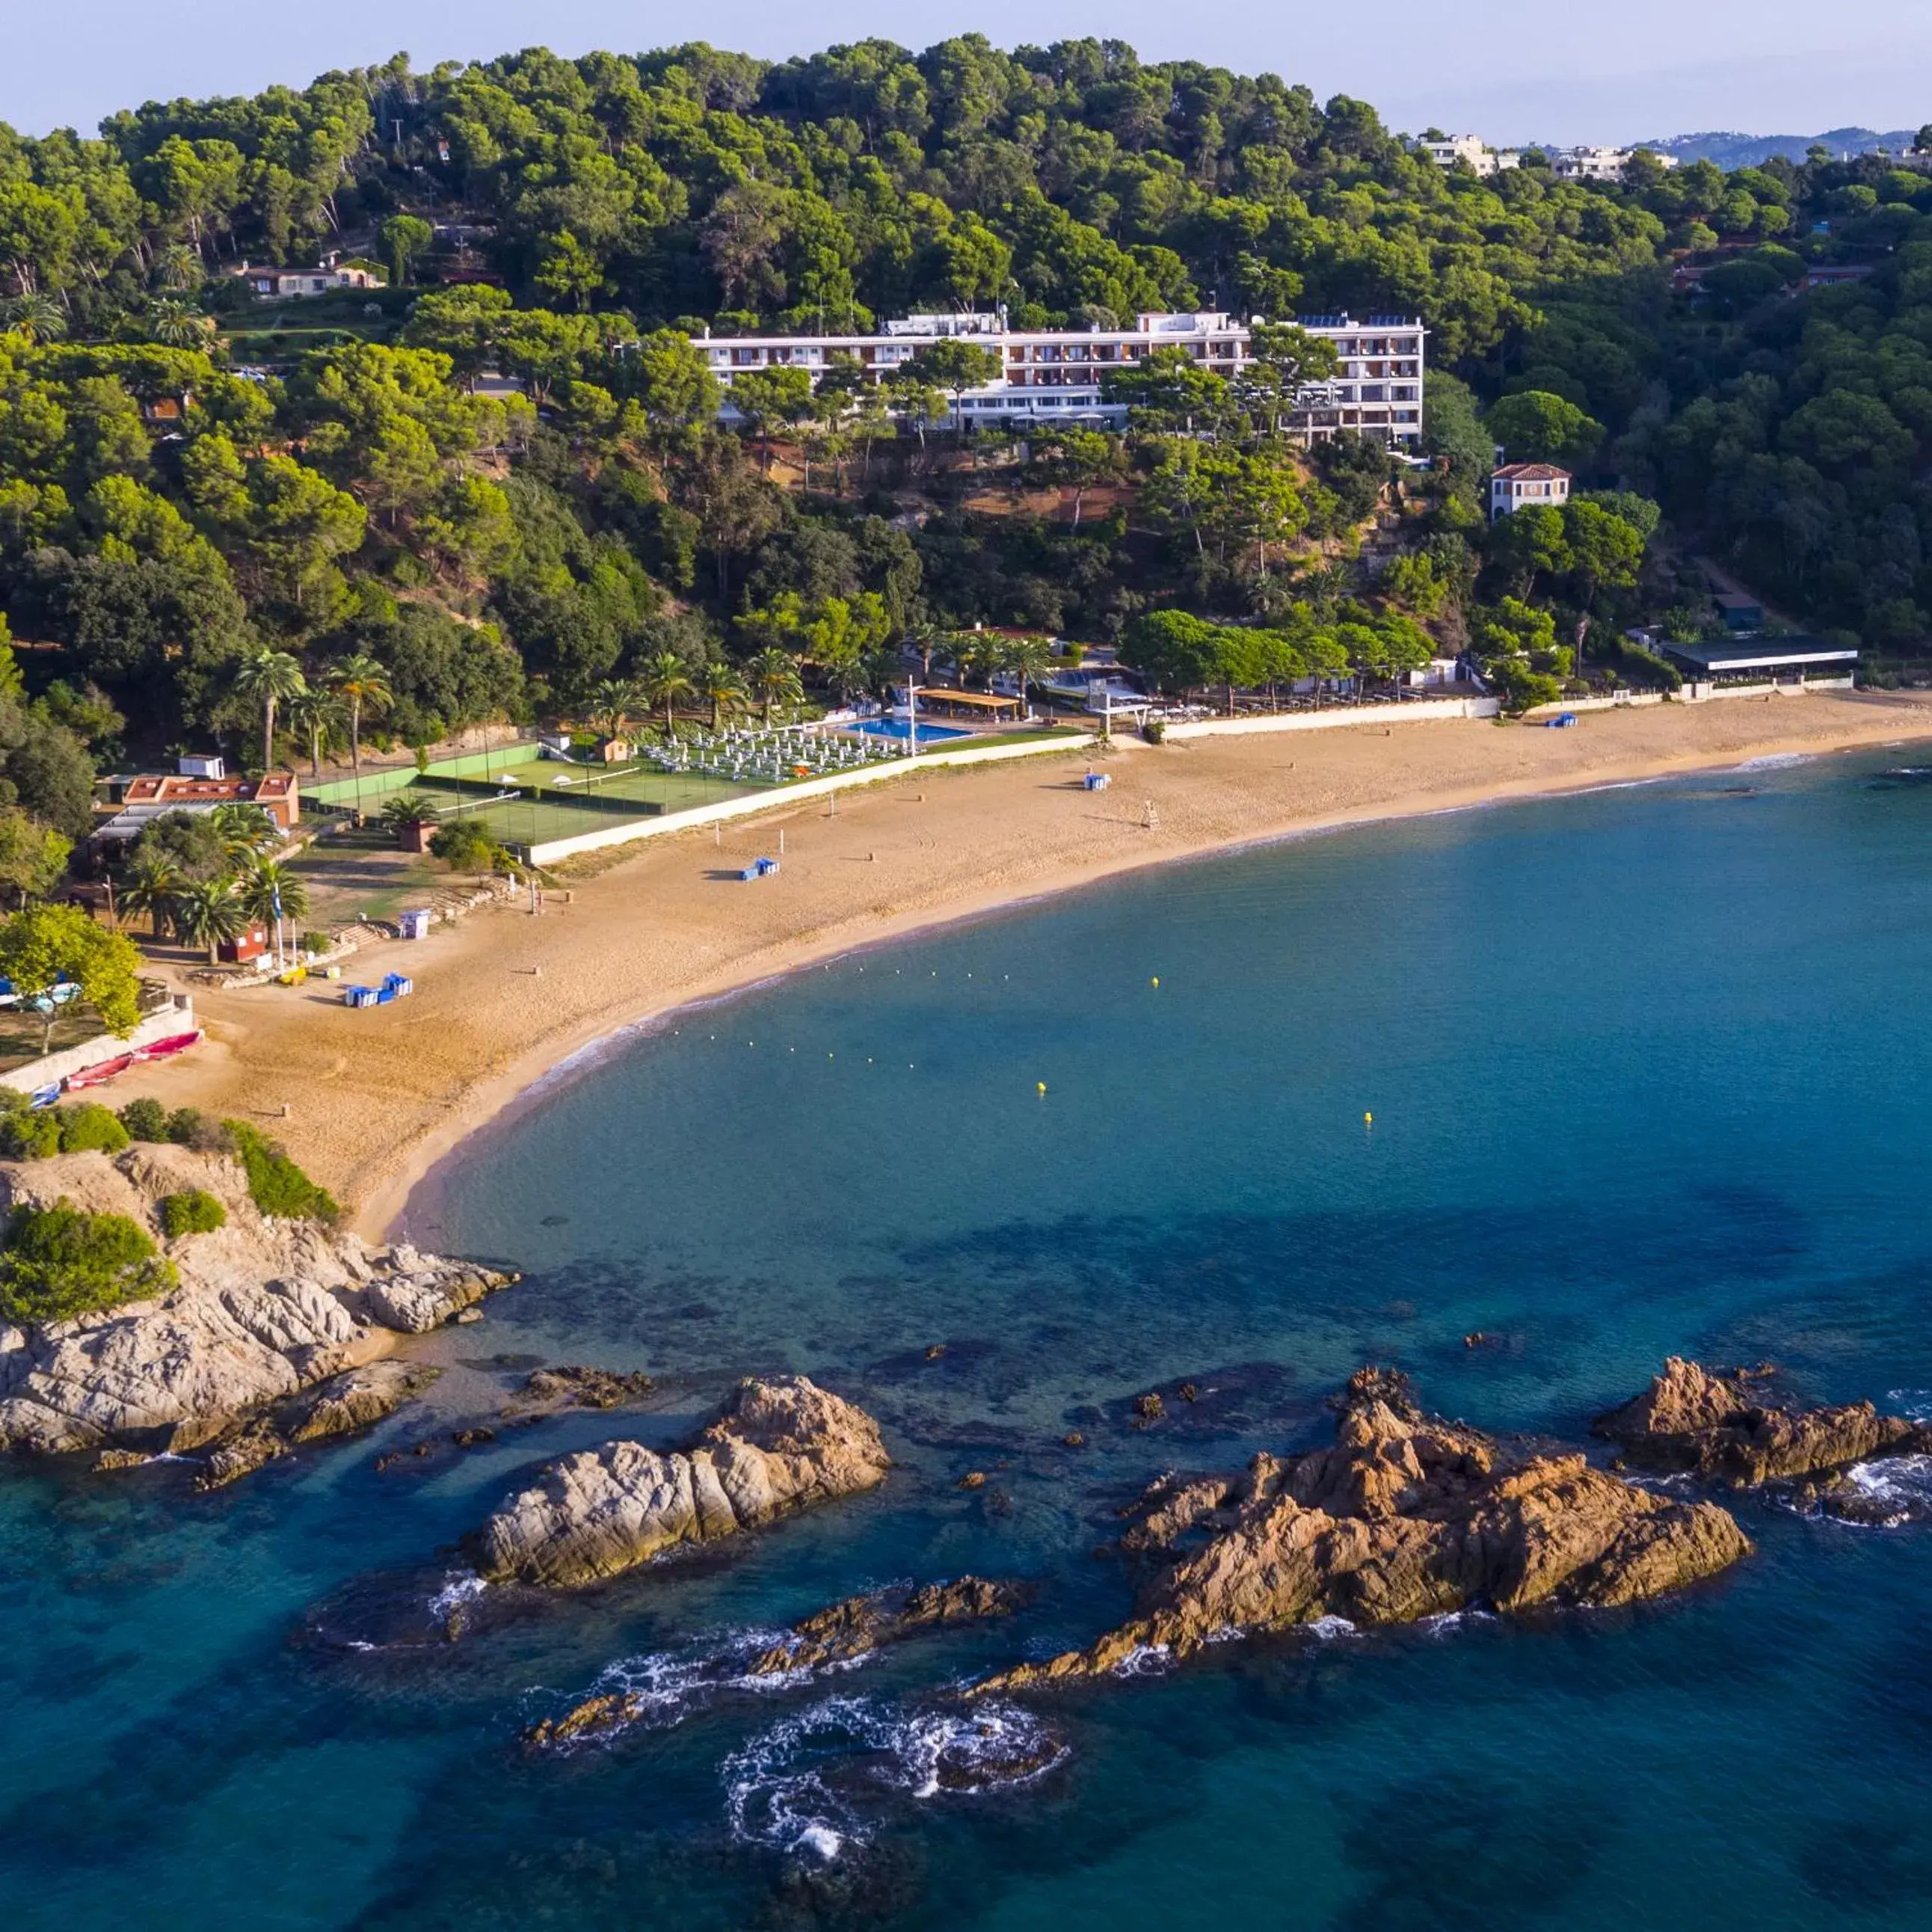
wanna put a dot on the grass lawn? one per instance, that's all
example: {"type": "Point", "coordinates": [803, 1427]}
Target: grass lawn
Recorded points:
{"type": "Point", "coordinates": [21, 1033]}
{"type": "Point", "coordinates": [350, 874]}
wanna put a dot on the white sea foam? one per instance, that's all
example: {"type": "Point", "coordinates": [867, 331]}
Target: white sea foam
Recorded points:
{"type": "Point", "coordinates": [666, 1686]}
{"type": "Point", "coordinates": [1145, 1660]}
{"type": "Point", "coordinates": [1915, 1404]}
{"type": "Point", "coordinates": [1775, 761]}
{"type": "Point", "coordinates": [1900, 1486]}
{"type": "Point", "coordinates": [459, 1587]}
{"type": "Point", "coordinates": [1446, 1623]}
{"type": "Point", "coordinates": [1329, 1628]}
{"type": "Point", "coordinates": [811, 1783]}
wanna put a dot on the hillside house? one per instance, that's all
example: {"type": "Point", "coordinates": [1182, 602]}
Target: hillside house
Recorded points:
{"type": "Point", "coordinates": [1521, 486]}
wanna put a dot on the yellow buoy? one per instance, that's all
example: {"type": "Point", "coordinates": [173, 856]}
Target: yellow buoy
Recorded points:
{"type": "Point", "coordinates": [1368, 1120]}
{"type": "Point", "coordinates": [1155, 981]}
{"type": "Point", "coordinates": [1042, 1085]}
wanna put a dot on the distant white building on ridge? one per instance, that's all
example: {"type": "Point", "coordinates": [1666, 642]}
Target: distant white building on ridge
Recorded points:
{"type": "Point", "coordinates": [1472, 151]}
{"type": "Point", "coordinates": [1600, 164]}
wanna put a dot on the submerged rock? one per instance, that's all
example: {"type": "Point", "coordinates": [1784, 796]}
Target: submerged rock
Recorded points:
{"type": "Point", "coordinates": [1405, 1515]}
{"type": "Point", "coordinates": [252, 1446]}
{"type": "Point", "coordinates": [359, 1399]}
{"type": "Point", "coordinates": [595, 1717]}
{"type": "Point", "coordinates": [265, 1309]}
{"type": "Point", "coordinates": [841, 1634]}
{"type": "Point", "coordinates": [778, 1445]}
{"type": "Point", "coordinates": [1726, 1428]}
{"type": "Point", "coordinates": [576, 1388]}
{"type": "Point", "coordinates": [862, 1624]}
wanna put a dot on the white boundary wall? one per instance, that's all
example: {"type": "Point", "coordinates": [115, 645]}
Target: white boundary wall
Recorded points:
{"type": "Point", "coordinates": [777, 797]}
{"type": "Point", "coordinates": [163, 1021]}
{"type": "Point", "coordinates": [1423, 711]}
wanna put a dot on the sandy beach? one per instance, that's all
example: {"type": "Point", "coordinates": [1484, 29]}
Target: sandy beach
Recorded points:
{"type": "Point", "coordinates": [374, 1098]}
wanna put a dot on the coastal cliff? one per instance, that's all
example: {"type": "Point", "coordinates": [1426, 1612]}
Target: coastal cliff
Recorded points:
{"type": "Point", "coordinates": [1405, 1515]}
{"type": "Point", "coordinates": [777, 1445]}
{"type": "Point", "coordinates": [264, 1309]}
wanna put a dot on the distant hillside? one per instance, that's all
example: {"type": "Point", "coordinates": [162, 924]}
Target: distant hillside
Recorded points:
{"type": "Point", "coordinates": [1751, 151]}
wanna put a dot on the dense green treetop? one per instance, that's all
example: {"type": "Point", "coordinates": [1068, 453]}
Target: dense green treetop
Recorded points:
{"type": "Point", "coordinates": [186, 484]}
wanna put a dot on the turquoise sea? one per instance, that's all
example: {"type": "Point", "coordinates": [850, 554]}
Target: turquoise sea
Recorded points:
{"type": "Point", "coordinates": [1650, 1070]}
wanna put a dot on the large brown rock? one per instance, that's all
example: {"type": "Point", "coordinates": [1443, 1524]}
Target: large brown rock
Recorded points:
{"type": "Point", "coordinates": [778, 1445]}
{"type": "Point", "coordinates": [1726, 1428]}
{"type": "Point", "coordinates": [1404, 1516]}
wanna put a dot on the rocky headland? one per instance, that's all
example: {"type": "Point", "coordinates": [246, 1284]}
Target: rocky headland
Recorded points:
{"type": "Point", "coordinates": [1729, 1428]}
{"type": "Point", "coordinates": [1405, 1515]}
{"type": "Point", "coordinates": [778, 1445]}
{"type": "Point", "coordinates": [269, 1315]}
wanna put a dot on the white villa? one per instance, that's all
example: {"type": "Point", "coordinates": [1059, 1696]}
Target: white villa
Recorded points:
{"type": "Point", "coordinates": [1050, 375]}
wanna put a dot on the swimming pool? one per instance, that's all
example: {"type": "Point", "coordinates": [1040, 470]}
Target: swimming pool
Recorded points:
{"type": "Point", "coordinates": [895, 728]}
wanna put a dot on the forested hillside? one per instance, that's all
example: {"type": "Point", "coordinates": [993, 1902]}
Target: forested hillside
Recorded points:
{"type": "Point", "coordinates": [205, 502]}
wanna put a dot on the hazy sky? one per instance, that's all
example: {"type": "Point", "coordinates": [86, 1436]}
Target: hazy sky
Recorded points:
{"type": "Point", "coordinates": [1511, 70]}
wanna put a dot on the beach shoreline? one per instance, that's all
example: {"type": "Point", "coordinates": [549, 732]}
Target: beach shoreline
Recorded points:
{"type": "Point", "coordinates": [508, 1007]}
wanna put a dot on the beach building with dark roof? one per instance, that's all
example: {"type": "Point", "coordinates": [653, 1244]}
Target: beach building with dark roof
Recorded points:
{"type": "Point", "coordinates": [1764, 660]}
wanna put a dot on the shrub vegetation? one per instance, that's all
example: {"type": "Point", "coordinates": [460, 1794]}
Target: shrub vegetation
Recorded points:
{"type": "Point", "coordinates": [193, 1211]}
{"type": "Point", "coordinates": [60, 1261]}
{"type": "Point", "coordinates": [276, 1184]}
{"type": "Point", "coordinates": [145, 1120]}
{"type": "Point", "coordinates": [88, 1125]}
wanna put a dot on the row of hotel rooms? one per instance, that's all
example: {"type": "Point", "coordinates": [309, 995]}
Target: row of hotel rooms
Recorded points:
{"type": "Point", "coordinates": [1057, 375]}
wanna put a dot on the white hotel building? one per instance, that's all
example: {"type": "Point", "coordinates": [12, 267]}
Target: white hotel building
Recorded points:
{"type": "Point", "coordinates": [1055, 376]}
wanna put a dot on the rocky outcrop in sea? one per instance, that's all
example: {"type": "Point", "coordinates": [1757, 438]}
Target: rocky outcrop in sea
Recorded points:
{"type": "Point", "coordinates": [1406, 1516]}
{"type": "Point", "coordinates": [778, 1445]}
{"type": "Point", "coordinates": [843, 1633]}
{"type": "Point", "coordinates": [1731, 1429]}
{"type": "Point", "coordinates": [264, 1310]}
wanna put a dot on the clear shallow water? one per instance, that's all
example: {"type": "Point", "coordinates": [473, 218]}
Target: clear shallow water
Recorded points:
{"type": "Point", "coordinates": [1649, 1071]}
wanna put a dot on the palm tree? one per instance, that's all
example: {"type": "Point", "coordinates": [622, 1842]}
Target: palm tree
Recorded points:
{"type": "Point", "coordinates": [724, 691]}
{"type": "Point", "coordinates": [667, 680]}
{"type": "Point", "coordinates": [319, 715]}
{"type": "Point", "coordinates": [402, 809]}
{"type": "Point", "coordinates": [363, 685]}
{"type": "Point", "coordinates": [610, 706]}
{"type": "Point", "coordinates": [243, 829]}
{"type": "Point", "coordinates": [970, 653]}
{"type": "Point", "coordinates": [205, 912]}
{"type": "Point", "coordinates": [178, 324]}
{"type": "Point", "coordinates": [1027, 658]}
{"type": "Point", "coordinates": [269, 676]}
{"type": "Point", "coordinates": [38, 317]}
{"type": "Point", "coordinates": [150, 885]}
{"type": "Point", "coordinates": [177, 266]}
{"type": "Point", "coordinates": [258, 888]}
{"type": "Point", "coordinates": [774, 676]}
